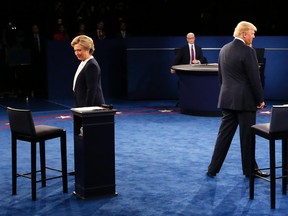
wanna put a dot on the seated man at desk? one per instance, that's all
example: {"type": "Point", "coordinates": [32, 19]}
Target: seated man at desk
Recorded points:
{"type": "Point", "coordinates": [190, 53]}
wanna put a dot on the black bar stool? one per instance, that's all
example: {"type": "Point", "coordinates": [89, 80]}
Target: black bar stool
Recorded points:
{"type": "Point", "coordinates": [23, 128]}
{"type": "Point", "coordinates": [277, 129]}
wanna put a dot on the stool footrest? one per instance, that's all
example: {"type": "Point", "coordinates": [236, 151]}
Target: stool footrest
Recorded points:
{"type": "Point", "coordinates": [28, 174]}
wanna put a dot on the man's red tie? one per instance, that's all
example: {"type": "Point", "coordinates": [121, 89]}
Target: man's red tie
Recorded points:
{"type": "Point", "coordinates": [192, 54]}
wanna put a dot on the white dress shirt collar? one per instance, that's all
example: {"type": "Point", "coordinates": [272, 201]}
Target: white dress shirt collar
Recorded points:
{"type": "Point", "coordinates": [79, 69]}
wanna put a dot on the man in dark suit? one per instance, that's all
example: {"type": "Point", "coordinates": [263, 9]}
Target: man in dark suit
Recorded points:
{"type": "Point", "coordinates": [100, 33]}
{"type": "Point", "coordinates": [87, 85]}
{"type": "Point", "coordinates": [190, 53]}
{"type": "Point", "coordinates": [122, 32]}
{"type": "Point", "coordinates": [241, 94]}
{"type": "Point", "coordinates": [38, 62]}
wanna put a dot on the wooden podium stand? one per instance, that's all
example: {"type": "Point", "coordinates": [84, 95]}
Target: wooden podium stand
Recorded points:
{"type": "Point", "coordinates": [94, 152]}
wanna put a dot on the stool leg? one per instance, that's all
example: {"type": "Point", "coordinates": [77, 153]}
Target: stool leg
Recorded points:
{"type": "Point", "coordinates": [42, 163]}
{"type": "Point", "coordinates": [252, 159]}
{"type": "Point", "coordinates": [284, 166]}
{"type": "Point", "coordinates": [272, 173]}
{"type": "Point", "coordinates": [64, 162]}
{"type": "Point", "coordinates": [14, 165]}
{"type": "Point", "coordinates": [33, 169]}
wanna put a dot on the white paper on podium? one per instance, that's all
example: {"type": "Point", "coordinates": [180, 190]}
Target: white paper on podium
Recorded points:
{"type": "Point", "coordinates": [88, 109]}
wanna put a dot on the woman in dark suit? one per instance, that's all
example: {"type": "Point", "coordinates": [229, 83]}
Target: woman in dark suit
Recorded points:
{"type": "Point", "coordinates": [185, 55]}
{"type": "Point", "coordinates": [241, 94]}
{"type": "Point", "coordinates": [87, 86]}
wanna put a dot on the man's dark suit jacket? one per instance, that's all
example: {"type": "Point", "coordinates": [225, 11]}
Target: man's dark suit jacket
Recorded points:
{"type": "Point", "coordinates": [118, 35]}
{"type": "Point", "coordinates": [88, 87]}
{"type": "Point", "coordinates": [241, 88]}
{"type": "Point", "coordinates": [183, 55]}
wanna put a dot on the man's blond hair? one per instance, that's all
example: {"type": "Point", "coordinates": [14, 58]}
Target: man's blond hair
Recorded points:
{"type": "Point", "coordinates": [243, 26]}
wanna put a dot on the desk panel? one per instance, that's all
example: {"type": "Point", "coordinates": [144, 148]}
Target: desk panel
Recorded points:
{"type": "Point", "coordinates": [198, 89]}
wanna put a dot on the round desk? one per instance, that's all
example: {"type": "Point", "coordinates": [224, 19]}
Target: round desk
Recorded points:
{"type": "Point", "coordinates": [198, 89]}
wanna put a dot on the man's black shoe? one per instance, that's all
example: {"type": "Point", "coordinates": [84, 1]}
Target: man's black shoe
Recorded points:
{"type": "Point", "coordinates": [211, 175]}
{"type": "Point", "coordinates": [259, 173]}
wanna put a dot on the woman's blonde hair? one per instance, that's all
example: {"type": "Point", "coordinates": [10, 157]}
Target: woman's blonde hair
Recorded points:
{"type": "Point", "coordinates": [85, 42]}
{"type": "Point", "coordinates": [243, 26]}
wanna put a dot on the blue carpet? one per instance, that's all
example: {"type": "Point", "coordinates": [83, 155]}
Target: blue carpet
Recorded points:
{"type": "Point", "coordinates": [161, 163]}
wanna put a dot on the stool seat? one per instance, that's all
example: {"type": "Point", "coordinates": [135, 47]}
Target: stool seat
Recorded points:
{"type": "Point", "coordinates": [276, 129]}
{"type": "Point", "coordinates": [22, 128]}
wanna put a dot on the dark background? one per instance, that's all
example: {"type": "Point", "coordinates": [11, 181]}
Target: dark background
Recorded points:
{"type": "Point", "coordinates": [149, 17]}
{"type": "Point", "coordinates": [144, 18]}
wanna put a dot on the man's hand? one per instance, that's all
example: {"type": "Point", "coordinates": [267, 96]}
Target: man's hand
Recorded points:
{"type": "Point", "coordinates": [261, 106]}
